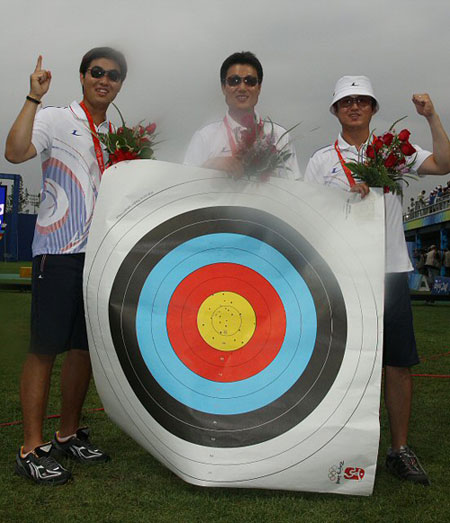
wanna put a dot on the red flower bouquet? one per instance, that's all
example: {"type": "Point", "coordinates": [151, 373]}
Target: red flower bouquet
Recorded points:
{"type": "Point", "coordinates": [129, 143]}
{"type": "Point", "coordinates": [386, 161]}
{"type": "Point", "coordinates": [260, 153]}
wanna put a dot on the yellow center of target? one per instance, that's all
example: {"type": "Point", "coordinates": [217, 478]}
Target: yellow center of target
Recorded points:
{"type": "Point", "coordinates": [226, 321]}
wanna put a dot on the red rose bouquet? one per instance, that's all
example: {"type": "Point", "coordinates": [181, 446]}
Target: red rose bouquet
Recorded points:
{"type": "Point", "coordinates": [129, 143]}
{"type": "Point", "coordinates": [260, 153]}
{"type": "Point", "coordinates": [386, 161]}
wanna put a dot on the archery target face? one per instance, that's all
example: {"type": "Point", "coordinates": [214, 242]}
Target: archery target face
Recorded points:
{"type": "Point", "coordinates": [222, 320]}
{"type": "Point", "coordinates": [226, 353]}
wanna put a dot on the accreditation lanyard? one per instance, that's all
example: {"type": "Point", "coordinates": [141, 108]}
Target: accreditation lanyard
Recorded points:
{"type": "Point", "coordinates": [231, 140]}
{"type": "Point", "coordinates": [347, 171]}
{"type": "Point", "coordinates": [97, 146]}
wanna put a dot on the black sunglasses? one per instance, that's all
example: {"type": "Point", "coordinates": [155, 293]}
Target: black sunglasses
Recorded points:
{"type": "Point", "coordinates": [98, 72]}
{"type": "Point", "coordinates": [360, 101]}
{"type": "Point", "coordinates": [235, 80]}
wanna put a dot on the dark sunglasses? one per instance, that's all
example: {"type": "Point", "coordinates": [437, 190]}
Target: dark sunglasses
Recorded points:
{"type": "Point", "coordinates": [235, 80]}
{"type": "Point", "coordinates": [360, 101]}
{"type": "Point", "coordinates": [98, 72]}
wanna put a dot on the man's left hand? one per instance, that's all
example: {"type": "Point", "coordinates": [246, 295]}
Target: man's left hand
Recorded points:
{"type": "Point", "coordinates": [424, 105]}
{"type": "Point", "coordinates": [361, 188]}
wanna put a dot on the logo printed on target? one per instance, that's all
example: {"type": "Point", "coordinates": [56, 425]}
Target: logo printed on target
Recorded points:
{"type": "Point", "coordinates": [356, 473]}
{"type": "Point", "coordinates": [337, 472]}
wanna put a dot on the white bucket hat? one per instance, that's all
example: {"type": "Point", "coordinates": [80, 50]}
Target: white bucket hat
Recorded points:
{"type": "Point", "coordinates": [352, 85]}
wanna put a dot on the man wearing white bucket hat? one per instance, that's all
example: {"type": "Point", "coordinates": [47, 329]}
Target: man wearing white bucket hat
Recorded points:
{"type": "Point", "coordinates": [354, 103]}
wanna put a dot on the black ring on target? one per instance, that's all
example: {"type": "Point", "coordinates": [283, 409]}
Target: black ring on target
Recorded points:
{"type": "Point", "coordinates": [282, 414]}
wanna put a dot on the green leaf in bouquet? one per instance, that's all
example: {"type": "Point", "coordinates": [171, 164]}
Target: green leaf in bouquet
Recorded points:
{"type": "Point", "coordinates": [396, 122]}
{"type": "Point", "coordinates": [146, 153]}
{"type": "Point", "coordinates": [375, 176]}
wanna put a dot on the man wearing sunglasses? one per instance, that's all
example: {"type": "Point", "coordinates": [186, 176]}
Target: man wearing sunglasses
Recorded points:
{"type": "Point", "coordinates": [73, 162]}
{"type": "Point", "coordinates": [354, 104]}
{"type": "Point", "coordinates": [214, 146]}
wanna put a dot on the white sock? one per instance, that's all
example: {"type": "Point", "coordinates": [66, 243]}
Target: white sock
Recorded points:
{"type": "Point", "coordinates": [66, 438]}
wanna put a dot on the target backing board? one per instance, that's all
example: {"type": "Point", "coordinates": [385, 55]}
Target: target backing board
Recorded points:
{"type": "Point", "coordinates": [235, 327]}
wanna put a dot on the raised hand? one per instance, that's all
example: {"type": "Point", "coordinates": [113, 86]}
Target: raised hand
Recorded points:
{"type": "Point", "coordinates": [39, 80]}
{"type": "Point", "coordinates": [424, 105]}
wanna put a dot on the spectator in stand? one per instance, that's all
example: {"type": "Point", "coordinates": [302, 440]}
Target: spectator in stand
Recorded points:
{"type": "Point", "coordinates": [421, 199]}
{"type": "Point", "coordinates": [446, 192]}
{"type": "Point", "coordinates": [421, 202]}
{"type": "Point", "coordinates": [432, 198]}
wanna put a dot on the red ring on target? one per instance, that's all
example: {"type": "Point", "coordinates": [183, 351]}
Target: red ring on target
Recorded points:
{"type": "Point", "coordinates": [199, 356]}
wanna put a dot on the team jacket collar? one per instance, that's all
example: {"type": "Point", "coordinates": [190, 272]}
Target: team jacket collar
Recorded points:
{"type": "Point", "coordinates": [236, 125]}
{"type": "Point", "coordinates": [81, 115]}
{"type": "Point", "coordinates": [345, 146]}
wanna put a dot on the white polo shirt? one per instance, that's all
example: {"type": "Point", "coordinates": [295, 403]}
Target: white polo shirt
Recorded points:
{"type": "Point", "coordinates": [324, 168]}
{"type": "Point", "coordinates": [212, 141]}
{"type": "Point", "coordinates": [71, 179]}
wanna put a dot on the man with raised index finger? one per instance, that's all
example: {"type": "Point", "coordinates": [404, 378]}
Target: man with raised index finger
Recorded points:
{"type": "Point", "coordinates": [354, 103]}
{"type": "Point", "coordinates": [73, 162]}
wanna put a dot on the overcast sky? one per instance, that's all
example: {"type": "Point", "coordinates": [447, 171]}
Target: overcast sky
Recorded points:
{"type": "Point", "coordinates": [175, 48]}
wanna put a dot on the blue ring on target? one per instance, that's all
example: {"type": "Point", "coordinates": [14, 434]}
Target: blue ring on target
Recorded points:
{"type": "Point", "coordinates": [174, 376]}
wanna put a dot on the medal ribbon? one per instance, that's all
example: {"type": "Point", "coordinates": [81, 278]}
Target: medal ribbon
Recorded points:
{"type": "Point", "coordinates": [347, 171]}
{"type": "Point", "coordinates": [97, 146]}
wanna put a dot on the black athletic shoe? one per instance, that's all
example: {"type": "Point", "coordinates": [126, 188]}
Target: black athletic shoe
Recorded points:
{"type": "Point", "coordinates": [41, 467]}
{"type": "Point", "coordinates": [405, 465]}
{"type": "Point", "coordinates": [79, 448]}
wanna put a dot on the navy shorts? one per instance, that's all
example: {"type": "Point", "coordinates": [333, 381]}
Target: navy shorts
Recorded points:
{"type": "Point", "coordinates": [399, 347]}
{"type": "Point", "coordinates": [57, 310]}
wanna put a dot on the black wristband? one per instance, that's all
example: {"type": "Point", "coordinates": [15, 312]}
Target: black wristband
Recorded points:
{"type": "Point", "coordinates": [37, 102]}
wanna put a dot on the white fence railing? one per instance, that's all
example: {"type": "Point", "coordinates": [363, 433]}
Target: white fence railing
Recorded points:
{"type": "Point", "coordinates": [423, 210]}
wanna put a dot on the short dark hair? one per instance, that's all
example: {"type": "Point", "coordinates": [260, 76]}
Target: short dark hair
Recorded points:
{"type": "Point", "coordinates": [244, 58]}
{"type": "Point", "coordinates": [104, 52]}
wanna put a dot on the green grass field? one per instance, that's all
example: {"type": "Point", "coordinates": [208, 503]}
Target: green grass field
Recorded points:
{"type": "Point", "coordinates": [134, 487]}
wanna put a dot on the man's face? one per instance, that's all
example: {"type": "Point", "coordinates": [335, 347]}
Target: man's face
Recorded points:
{"type": "Point", "coordinates": [242, 97]}
{"type": "Point", "coordinates": [101, 91]}
{"type": "Point", "coordinates": [354, 112]}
